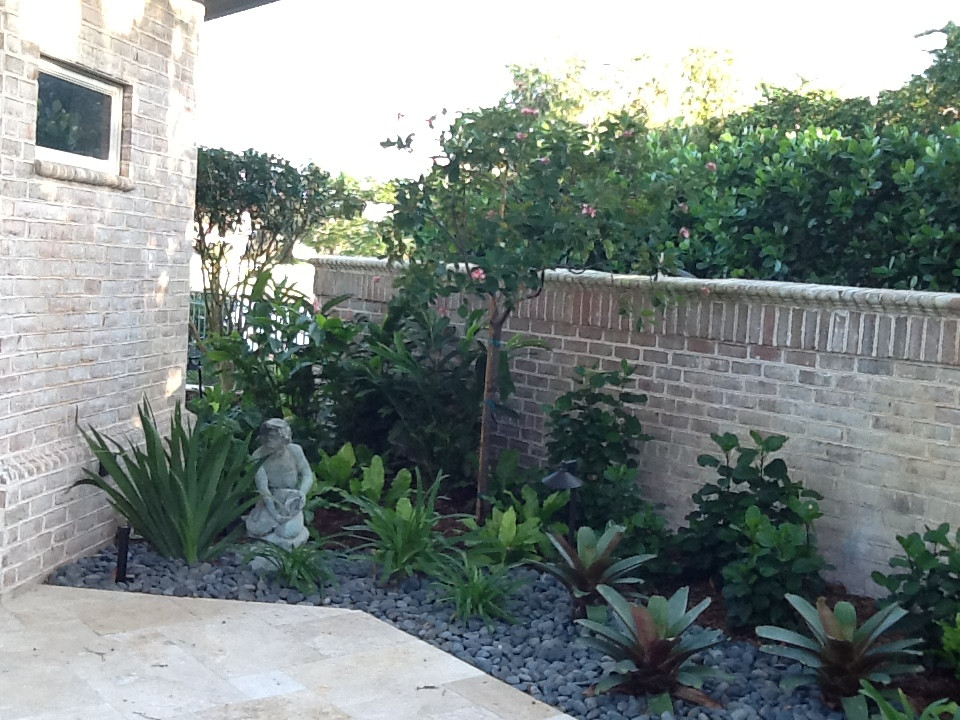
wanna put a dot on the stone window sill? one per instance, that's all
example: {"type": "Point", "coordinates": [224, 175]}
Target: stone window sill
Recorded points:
{"type": "Point", "coordinates": [71, 173]}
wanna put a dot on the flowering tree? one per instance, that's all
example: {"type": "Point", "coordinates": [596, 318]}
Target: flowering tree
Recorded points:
{"type": "Point", "coordinates": [517, 190]}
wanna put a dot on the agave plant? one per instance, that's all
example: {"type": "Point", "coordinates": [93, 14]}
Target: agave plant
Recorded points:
{"type": "Point", "coordinates": [592, 564]}
{"type": "Point", "coordinates": [839, 654]}
{"type": "Point", "coordinates": [651, 651]}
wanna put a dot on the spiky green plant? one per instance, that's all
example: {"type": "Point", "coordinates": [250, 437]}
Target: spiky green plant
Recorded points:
{"type": "Point", "coordinates": [840, 654]}
{"type": "Point", "coordinates": [303, 568]}
{"type": "Point", "coordinates": [857, 710]}
{"type": "Point", "coordinates": [181, 493]}
{"type": "Point", "coordinates": [475, 588]}
{"type": "Point", "coordinates": [651, 650]}
{"type": "Point", "coordinates": [592, 564]}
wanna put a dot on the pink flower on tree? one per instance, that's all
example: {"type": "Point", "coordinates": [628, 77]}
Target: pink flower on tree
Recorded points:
{"type": "Point", "coordinates": [711, 166]}
{"type": "Point", "coordinates": [522, 136]}
{"type": "Point", "coordinates": [543, 160]}
{"type": "Point", "coordinates": [627, 134]}
{"type": "Point", "coordinates": [529, 111]}
{"type": "Point", "coordinates": [316, 305]}
{"type": "Point", "coordinates": [478, 274]}
{"type": "Point", "coordinates": [684, 233]}
{"type": "Point", "coordinates": [588, 210]}
{"type": "Point", "coordinates": [491, 214]}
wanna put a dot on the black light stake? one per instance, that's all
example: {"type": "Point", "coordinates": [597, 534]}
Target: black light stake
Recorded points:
{"type": "Point", "coordinates": [563, 479]}
{"type": "Point", "coordinates": [123, 545]}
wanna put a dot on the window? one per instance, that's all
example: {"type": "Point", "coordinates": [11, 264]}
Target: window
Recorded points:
{"type": "Point", "coordinates": [78, 119]}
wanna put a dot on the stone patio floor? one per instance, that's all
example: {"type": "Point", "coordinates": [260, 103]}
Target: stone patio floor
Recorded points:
{"type": "Point", "coordinates": [71, 654]}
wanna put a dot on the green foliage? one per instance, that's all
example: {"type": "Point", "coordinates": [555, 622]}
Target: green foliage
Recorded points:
{"type": "Point", "coordinates": [283, 204]}
{"type": "Point", "coordinates": [592, 563]}
{"type": "Point", "coordinates": [927, 584]}
{"type": "Point", "coordinates": [951, 643]}
{"type": "Point", "coordinates": [651, 648]}
{"type": "Point", "coordinates": [353, 234]}
{"type": "Point", "coordinates": [776, 560]}
{"type": "Point", "coordinates": [747, 477]}
{"type": "Point", "coordinates": [273, 366]}
{"type": "Point", "coordinates": [181, 492]}
{"type": "Point", "coordinates": [532, 506]}
{"type": "Point", "coordinates": [647, 534]}
{"type": "Point", "coordinates": [592, 423]}
{"type": "Point", "coordinates": [476, 588]}
{"type": "Point", "coordinates": [303, 568]}
{"type": "Point", "coordinates": [504, 539]}
{"type": "Point", "coordinates": [403, 537]}
{"type": "Point", "coordinates": [411, 389]}
{"type": "Point", "coordinates": [937, 710]}
{"type": "Point", "coordinates": [839, 654]}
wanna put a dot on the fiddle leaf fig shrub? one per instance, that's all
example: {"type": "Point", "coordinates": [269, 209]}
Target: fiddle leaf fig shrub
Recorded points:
{"type": "Point", "coordinates": [593, 424]}
{"type": "Point", "coordinates": [926, 582]}
{"type": "Point", "coordinates": [776, 560]}
{"type": "Point", "coordinates": [747, 477]}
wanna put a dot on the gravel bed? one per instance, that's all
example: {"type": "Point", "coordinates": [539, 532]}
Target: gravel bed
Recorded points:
{"type": "Point", "coordinates": [538, 655]}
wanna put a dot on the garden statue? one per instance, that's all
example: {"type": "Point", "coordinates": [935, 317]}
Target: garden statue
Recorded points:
{"type": "Point", "coordinates": [283, 481]}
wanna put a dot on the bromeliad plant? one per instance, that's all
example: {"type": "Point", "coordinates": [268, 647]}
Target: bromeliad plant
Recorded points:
{"type": "Point", "coordinates": [652, 649]}
{"type": "Point", "coordinates": [592, 564]}
{"type": "Point", "coordinates": [183, 493]}
{"type": "Point", "coordinates": [839, 654]}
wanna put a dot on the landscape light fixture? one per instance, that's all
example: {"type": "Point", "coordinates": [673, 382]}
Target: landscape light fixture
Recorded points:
{"type": "Point", "coordinates": [563, 479]}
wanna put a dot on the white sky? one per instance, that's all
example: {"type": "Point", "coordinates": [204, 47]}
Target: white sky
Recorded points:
{"type": "Point", "coordinates": [323, 81]}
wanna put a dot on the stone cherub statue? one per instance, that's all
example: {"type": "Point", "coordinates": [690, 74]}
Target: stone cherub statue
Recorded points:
{"type": "Point", "coordinates": [283, 481]}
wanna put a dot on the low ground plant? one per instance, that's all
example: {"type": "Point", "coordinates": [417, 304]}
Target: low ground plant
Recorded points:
{"type": "Point", "coordinates": [185, 492]}
{"type": "Point", "coordinates": [903, 710]}
{"type": "Point", "coordinates": [304, 568]}
{"type": "Point", "coordinates": [503, 539]}
{"type": "Point", "coordinates": [475, 587]}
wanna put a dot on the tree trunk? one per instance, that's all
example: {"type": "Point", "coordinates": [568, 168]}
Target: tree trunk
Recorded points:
{"type": "Point", "coordinates": [486, 416]}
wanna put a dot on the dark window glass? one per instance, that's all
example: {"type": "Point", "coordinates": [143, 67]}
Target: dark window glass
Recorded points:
{"type": "Point", "coordinates": [73, 118]}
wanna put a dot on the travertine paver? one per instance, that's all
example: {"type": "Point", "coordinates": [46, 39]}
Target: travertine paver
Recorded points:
{"type": "Point", "coordinates": [72, 654]}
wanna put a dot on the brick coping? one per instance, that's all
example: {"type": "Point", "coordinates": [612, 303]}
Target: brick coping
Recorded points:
{"type": "Point", "coordinates": [939, 304]}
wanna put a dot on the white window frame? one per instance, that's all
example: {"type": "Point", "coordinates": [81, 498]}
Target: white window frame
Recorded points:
{"type": "Point", "coordinates": [115, 92]}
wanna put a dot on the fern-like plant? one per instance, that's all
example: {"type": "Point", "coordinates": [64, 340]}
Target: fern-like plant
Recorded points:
{"type": "Point", "coordinates": [182, 493]}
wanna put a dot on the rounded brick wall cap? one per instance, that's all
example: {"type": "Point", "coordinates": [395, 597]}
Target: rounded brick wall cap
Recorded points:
{"type": "Point", "coordinates": [781, 293]}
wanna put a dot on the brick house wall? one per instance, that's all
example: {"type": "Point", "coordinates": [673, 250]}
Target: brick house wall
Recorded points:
{"type": "Point", "coordinates": [93, 266]}
{"type": "Point", "coordinates": [865, 383]}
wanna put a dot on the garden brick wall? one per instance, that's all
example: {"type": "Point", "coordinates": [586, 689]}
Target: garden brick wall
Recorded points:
{"type": "Point", "coordinates": [93, 267]}
{"type": "Point", "coordinates": [865, 383]}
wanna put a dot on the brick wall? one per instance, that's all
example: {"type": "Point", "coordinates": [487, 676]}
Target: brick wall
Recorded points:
{"type": "Point", "coordinates": [865, 383]}
{"type": "Point", "coordinates": [93, 267]}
